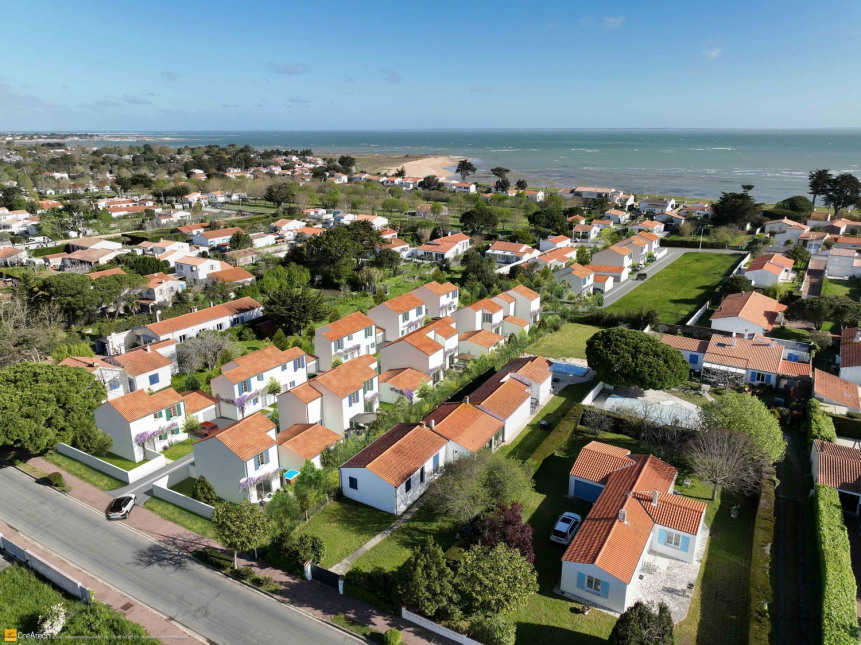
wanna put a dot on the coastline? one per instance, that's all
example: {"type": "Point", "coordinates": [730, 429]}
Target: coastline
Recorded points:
{"type": "Point", "coordinates": [440, 165]}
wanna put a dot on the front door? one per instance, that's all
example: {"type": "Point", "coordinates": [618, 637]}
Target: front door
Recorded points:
{"type": "Point", "coordinates": [263, 488]}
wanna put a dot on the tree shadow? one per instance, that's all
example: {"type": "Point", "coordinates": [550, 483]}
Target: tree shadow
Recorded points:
{"type": "Point", "coordinates": [538, 633]}
{"type": "Point", "coordinates": [161, 555]}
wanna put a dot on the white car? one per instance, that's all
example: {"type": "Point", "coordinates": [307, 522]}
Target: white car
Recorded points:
{"type": "Point", "coordinates": [566, 527]}
{"type": "Point", "coordinates": [121, 507]}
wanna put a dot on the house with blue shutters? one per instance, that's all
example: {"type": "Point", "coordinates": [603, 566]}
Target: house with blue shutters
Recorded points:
{"type": "Point", "coordinates": [635, 515]}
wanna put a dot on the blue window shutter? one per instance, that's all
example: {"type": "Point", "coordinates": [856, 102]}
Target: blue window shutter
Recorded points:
{"type": "Point", "coordinates": [768, 378]}
{"type": "Point", "coordinates": [662, 536]}
{"type": "Point", "coordinates": [581, 580]}
{"type": "Point", "coordinates": [686, 542]}
{"type": "Point", "coordinates": [694, 359]}
{"type": "Point", "coordinates": [605, 588]}
{"type": "Point", "coordinates": [266, 457]}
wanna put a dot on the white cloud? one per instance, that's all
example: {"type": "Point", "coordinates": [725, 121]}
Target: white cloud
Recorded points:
{"type": "Point", "coordinates": [613, 22]}
{"type": "Point", "coordinates": [137, 99]}
{"type": "Point", "coordinates": [712, 53]}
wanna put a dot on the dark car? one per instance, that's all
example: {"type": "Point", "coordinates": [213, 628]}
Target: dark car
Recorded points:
{"type": "Point", "coordinates": [121, 507]}
{"type": "Point", "coordinates": [642, 276]}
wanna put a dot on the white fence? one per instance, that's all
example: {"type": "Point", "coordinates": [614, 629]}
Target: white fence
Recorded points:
{"type": "Point", "coordinates": [592, 394]}
{"type": "Point", "coordinates": [47, 570]}
{"type": "Point", "coordinates": [437, 629]}
{"type": "Point", "coordinates": [155, 462]}
{"type": "Point", "coordinates": [693, 319]}
{"type": "Point", "coordinates": [161, 489]}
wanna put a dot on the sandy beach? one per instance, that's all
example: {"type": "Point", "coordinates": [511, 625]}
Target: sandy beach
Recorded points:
{"type": "Point", "coordinates": [414, 165]}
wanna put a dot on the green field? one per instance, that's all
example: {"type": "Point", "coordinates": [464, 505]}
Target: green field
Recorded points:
{"type": "Point", "coordinates": [568, 342]}
{"type": "Point", "coordinates": [850, 288]}
{"type": "Point", "coordinates": [678, 290]}
{"type": "Point", "coordinates": [82, 471]}
{"type": "Point", "coordinates": [186, 519]}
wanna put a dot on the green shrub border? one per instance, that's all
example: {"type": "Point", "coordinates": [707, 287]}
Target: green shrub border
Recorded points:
{"type": "Point", "coordinates": [559, 435]}
{"type": "Point", "coordinates": [819, 424]}
{"type": "Point", "coordinates": [839, 618]}
{"type": "Point", "coordinates": [761, 592]}
{"type": "Point", "coordinates": [846, 427]}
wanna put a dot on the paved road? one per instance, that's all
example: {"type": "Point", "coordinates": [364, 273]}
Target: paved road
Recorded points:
{"type": "Point", "coordinates": [214, 606]}
{"type": "Point", "coordinates": [631, 283]}
{"type": "Point", "coordinates": [143, 485]}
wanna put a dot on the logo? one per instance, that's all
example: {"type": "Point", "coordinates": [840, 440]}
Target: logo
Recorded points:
{"type": "Point", "coordinates": [10, 635]}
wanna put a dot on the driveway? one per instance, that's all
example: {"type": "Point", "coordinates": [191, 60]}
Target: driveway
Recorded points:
{"type": "Point", "coordinates": [141, 486]}
{"type": "Point", "coordinates": [208, 603]}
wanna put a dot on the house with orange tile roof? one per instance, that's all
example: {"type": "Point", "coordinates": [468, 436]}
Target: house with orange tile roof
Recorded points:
{"type": "Point", "coordinates": [217, 237]}
{"type": "Point", "coordinates": [196, 270]}
{"type": "Point", "coordinates": [479, 342]}
{"type": "Point", "coordinates": [393, 243]}
{"type": "Point", "coordinates": [140, 421]}
{"type": "Point", "coordinates": [748, 313]}
{"type": "Point", "coordinates": [144, 369]}
{"type": "Point", "coordinates": [377, 221]}
{"type": "Point", "coordinates": [634, 516]}
{"type": "Point", "coordinates": [507, 399]}
{"type": "Point", "coordinates": [95, 275]}
{"type": "Point", "coordinates": [654, 206]}
{"type": "Point", "coordinates": [304, 442]}
{"type": "Point", "coordinates": [398, 316]}
{"type": "Point", "coordinates": [511, 252]}
{"type": "Point", "coordinates": [430, 349]}
{"type": "Point", "coordinates": [200, 405]}
{"type": "Point", "coordinates": [336, 399]}
{"type": "Point", "coordinates": [557, 258]}
{"type": "Point", "coordinates": [850, 354]}
{"type": "Point", "coordinates": [769, 269]}
{"type": "Point", "coordinates": [232, 276]}
{"type": "Point", "coordinates": [838, 467]}
{"type": "Point", "coordinates": [110, 375]}
{"type": "Point", "coordinates": [243, 385]}
{"type": "Point", "coordinates": [467, 428]}
{"type": "Point", "coordinates": [521, 307]}
{"type": "Point", "coordinates": [87, 259]}
{"type": "Point", "coordinates": [393, 472]}
{"type": "Point", "coordinates": [442, 248]}
{"type": "Point", "coordinates": [619, 274]}
{"type": "Point", "coordinates": [648, 226]}
{"type": "Point", "coordinates": [617, 216]}
{"type": "Point", "coordinates": [580, 278]}
{"type": "Point", "coordinates": [838, 394]}
{"type": "Point", "coordinates": [553, 242]}
{"type": "Point", "coordinates": [402, 382]}
{"type": "Point", "coordinates": [241, 460]}
{"type": "Point", "coordinates": [614, 256]}
{"type": "Point", "coordinates": [440, 299]}
{"type": "Point", "coordinates": [13, 256]}
{"type": "Point", "coordinates": [483, 314]}
{"type": "Point", "coordinates": [584, 233]}
{"type": "Point", "coordinates": [160, 289]}
{"type": "Point", "coordinates": [349, 337]}
{"type": "Point", "coordinates": [286, 228]}
{"type": "Point", "coordinates": [217, 318]}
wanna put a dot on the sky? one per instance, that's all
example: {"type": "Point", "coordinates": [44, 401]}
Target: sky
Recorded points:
{"type": "Point", "coordinates": [183, 65]}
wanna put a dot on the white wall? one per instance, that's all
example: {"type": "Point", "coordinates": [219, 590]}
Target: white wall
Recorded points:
{"type": "Point", "coordinates": [221, 467]}
{"type": "Point", "coordinates": [141, 382]}
{"type": "Point", "coordinates": [617, 592]}
{"type": "Point", "coordinates": [737, 325]}
{"type": "Point", "coordinates": [371, 491]}
{"type": "Point", "coordinates": [669, 551]}
{"type": "Point", "coordinates": [128, 476]}
{"type": "Point", "coordinates": [160, 489]}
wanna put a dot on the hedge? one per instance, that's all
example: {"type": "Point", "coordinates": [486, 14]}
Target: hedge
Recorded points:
{"type": "Point", "coordinates": [560, 434]}
{"type": "Point", "coordinates": [45, 250]}
{"type": "Point", "coordinates": [619, 424]}
{"type": "Point", "coordinates": [760, 579]}
{"type": "Point", "coordinates": [819, 424]}
{"type": "Point", "coordinates": [839, 617]}
{"type": "Point", "coordinates": [693, 244]}
{"type": "Point", "coordinates": [846, 427]}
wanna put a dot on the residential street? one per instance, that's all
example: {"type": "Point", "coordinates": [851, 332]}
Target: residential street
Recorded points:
{"type": "Point", "coordinates": [206, 602]}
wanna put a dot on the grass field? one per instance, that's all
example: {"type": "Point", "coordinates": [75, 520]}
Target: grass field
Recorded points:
{"type": "Point", "coordinates": [120, 462]}
{"type": "Point", "coordinates": [185, 519]}
{"type": "Point", "coordinates": [180, 449]}
{"type": "Point", "coordinates": [851, 288]}
{"type": "Point", "coordinates": [568, 342]}
{"type": "Point", "coordinates": [82, 471]}
{"type": "Point", "coordinates": [677, 291]}
{"type": "Point", "coordinates": [344, 526]}
{"type": "Point", "coordinates": [185, 487]}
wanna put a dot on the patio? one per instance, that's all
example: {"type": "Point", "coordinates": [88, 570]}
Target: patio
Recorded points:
{"type": "Point", "coordinates": [651, 405]}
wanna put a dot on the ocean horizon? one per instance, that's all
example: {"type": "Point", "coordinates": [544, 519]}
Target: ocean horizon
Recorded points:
{"type": "Point", "coordinates": [684, 162]}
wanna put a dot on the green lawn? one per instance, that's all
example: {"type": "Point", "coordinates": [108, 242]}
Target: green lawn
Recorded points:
{"type": "Point", "coordinates": [568, 342]}
{"type": "Point", "coordinates": [850, 288]}
{"type": "Point", "coordinates": [84, 472]}
{"type": "Point", "coordinates": [120, 462]}
{"type": "Point", "coordinates": [185, 487]}
{"type": "Point", "coordinates": [681, 288]}
{"type": "Point", "coordinates": [791, 333]}
{"type": "Point", "coordinates": [344, 526]}
{"type": "Point", "coordinates": [186, 519]}
{"type": "Point", "coordinates": [180, 449]}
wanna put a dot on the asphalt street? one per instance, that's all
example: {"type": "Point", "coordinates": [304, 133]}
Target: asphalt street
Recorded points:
{"type": "Point", "coordinates": [205, 602]}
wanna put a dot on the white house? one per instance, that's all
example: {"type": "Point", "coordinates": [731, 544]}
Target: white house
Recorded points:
{"type": "Point", "coordinates": [482, 314]}
{"type": "Point", "coordinates": [144, 369]}
{"type": "Point", "coordinates": [218, 237]}
{"type": "Point", "coordinates": [440, 299]}
{"type": "Point", "coordinates": [398, 316]}
{"type": "Point", "coordinates": [467, 428]}
{"type": "Point", "coordinates": [304, 442]}
{"type": "Point", "coordinates": [585, 232]}
{"type": "Point", "coordinates": [580, 278]}
{"type": "Point", "coordinates": [614, 256]}
{"type": "Point", "coordinates": [843, 263]}
{"type": "Point", "coordinates": [163, 246]}
{"type": "Point", "coordinates": [161, 289]}
{"type": "Point", "coordinates": [639, 248]}
{"type": "Point", "coordinates": [748, 313]}
{"type": "Point", "coordinates": [507, 399]}
{"type": "Point", "coordinates": [839, 467]}
{"type": "Point", "coordinates": [93, 243]}
{"type": "Point", "coordinates": [479, 342]}
{"type": "Point", "coordinates": [510, 252]}
{"type": "Point", "coordinates": [463, 187]}
{"type": "Point", "coordinates": [657, 205]}
{"type": "Point", "coordinates": [601, 271]}
{"type": "Point", "coordinates": [443, 248]}
{"type": "Point", "coordinates": [394, 471]}
{"type": "Point", "coordinates": [770, 269]}
{"type": "Point", "coordinates": [243, 385]}
{"type": "Point", "coordinates": [141, 419]}
{"type": "Point", "coordinates": [110, 375]}
{"type": "Point", "coordinates": [196, 271]}
{"type": "Point", "coordinates": [401, 382]}
{"type": "Point", "coordinates": [557, 258]}
{"type": "Point", "coordinates": [335, 398]}
{"type": "Point", "coordinates": [554, 242]}
{"type": "Point", "coordinates": [377, 221]}
{"type": "Point", "coordinates": [527, 303]}
{"type": "Point", "coordinates": [617, 216]}
{"type": "Point", "coordinates": [241, 460]}
{"type": "Point", "coordinates": [286, 227]}
{"type": "Point", "coordinates": [349, 337]}
{"type": "Point", "coordinates": [399, 246]}
{"type": "Point", "coordinates": [634, 513]}
{"type": "Point", "coordinates": [430, 350]}
{"type": "Point", "coordinates": [13, 256]}
{"type": "Point", "coordinates": [850, 354]}
{"type": "Point", "coordinates": [840, 395]}
{"type": "Point", "coordinates": [648, 226]}
{"type": "Point", "coordinates": [88, 258]}
{"type": "Point", "coordinates": [217, 318]}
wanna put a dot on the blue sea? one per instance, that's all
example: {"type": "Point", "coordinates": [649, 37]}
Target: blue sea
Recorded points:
{"type": "Point", "coordinates": [690, 163]}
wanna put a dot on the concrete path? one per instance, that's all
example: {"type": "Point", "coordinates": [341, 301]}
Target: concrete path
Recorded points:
{"type": "Point", "coordinates": [342, 567]}
{"type": "Point", "coordinates": [141, 486]}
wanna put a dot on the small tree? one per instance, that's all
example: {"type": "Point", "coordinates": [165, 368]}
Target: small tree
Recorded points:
{"type": "Point", "coordinates": [736, 284]}
{"type": "Point", "coordinates": [309, 487]}
{"type": "Point", "coordinates": [744, 413]}
{"type": "Point", "coordinates": [493, 630]}
{"type": "Point", "coordinates": [273, 387]}
{"type": "Point", "coordinates": [428, 585]}
{"type": "Point", "coordinates": [279, 193]}
{"type": "Point", "coordinates": [465, 168]}
{"type": "Point", "coordinates": [283, 512]}
{"type": "Point", "coordinates": [240, 240]}
{"type": "Point", "coordinates": [280, 340]}
{"type": "Point", "coordinates": [203, 491]}
{"type": "Point", "coordinates": [640, 625]}
{"type": "Point", "coordinates": [192, 383]}
{"type": "Point", "coordinates": [726, 458]}
{"type": "Point", "coordinates": [628, 357]}
{"type": "Point", "coordinates": [492, 581]}
{"type": "Point", "coordinates": [505, 525]}
{"type": "Point", "coordinates": [240, 527]}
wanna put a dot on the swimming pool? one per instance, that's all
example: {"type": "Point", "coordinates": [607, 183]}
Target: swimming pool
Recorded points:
{"type": "Point", "coordinates": [663, 412]}
{"type": "Point", "coordinates": [568, 368]}
{"type": "Point", "coordinates": [290, 474]}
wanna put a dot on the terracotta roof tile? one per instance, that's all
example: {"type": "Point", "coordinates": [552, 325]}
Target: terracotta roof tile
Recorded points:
{"type": "Point", "coordinates": [674, 511]}
{"type": "Point", "coordinates": [506, 399]}
{"type": "Point", "coordinates": [687, 344]}
{"type": "Point", "coordinates": [850, 349]}
{"type": "Point", "coordinates": [751, 306]}
{"type": "Point", "coordinates": [440, 289]}
{"type": "Point", "coordinates": [89, 363]}
{"type": "Point", "coordinates": [241, 305]}
{"type": "Point", "coordinates": [464, 424]}
{"type": "Point", "coordinates": [197, 400]}
{"type": "Point", "coordinates": [482, 338]}
{"type": "Point", "coordinates": [231, 276]}
{"type": "Point", "coordinates": [139, 404]}
{"type": "Point", "coordinates": [597, 460]}
{"type": "Point", "coordinates": [347, 377]}
{"type": "Point", "coordinates": [793, 368]}
{"type": "Point", "coordinates": [774, 258]}
{"type": "Point", "coordinates": [101, 274]}
{"type": "Point", "coordinates": [349, 324]}
{"type": "Point", "coordinates": [305, 393]}
{"type": "Point", "coordinates": [514, 320]}
{"type": "Point", "coordinates": [506, 297]}
{"type": "Point", "coordinates": [247, 437]}
{"type": "Point", "coordinates": [405, 378]}
{"type": "Point", "coordinates": [141, 361]}
{"type": "Point", "coordinates": [486, 304]}
{"type": "Point", "coordinates": [260, 361]}
{"type": "Point", "coordinates": [403, 303]}
{"type": "Point", "coordinates": [399, 453]}
{"type": "Point", "coordinates": [839, 466]}
{"type": "Point", "coordinates": [221, 232]}
{"type": "Point", "coordinates": [536, 369]}
{"type": "Point", "coordinates": [757, 353]}
{"type": "Point", "coordinates": [308, 439]}
{"type": "Point", "coordinates": [837, 390]}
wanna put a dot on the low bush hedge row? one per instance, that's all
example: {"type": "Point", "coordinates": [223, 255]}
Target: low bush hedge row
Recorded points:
{"type": "Point", "coordinates": [557, 437]}
{"type": "Point", "coordinates": [846, 427]}
{"type": "Point", "coordinates": [819, 424]}
{"type": "Point", "coordinates": [760, 578]}
{"type": "Point", "coordinates": [839, 617]}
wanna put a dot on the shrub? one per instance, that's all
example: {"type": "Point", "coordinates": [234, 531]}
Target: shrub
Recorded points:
{"type": "Point", "coordinates": [839, 619]}
{"type": "Point", "coordinates": [245, 573]}
{"type": "Point", "coordinates": [493, 630]}
{"type": "Point", "coordinates": [392, 636]}
{"type": "Point", "coordinates": [760, 581]}
{"type": "Point", "coordinates": [294, 552]}
{"type": "Point", "coordinates": [217, 558]}
{"type": "Point", "coordinates": [560, 434]}
{"type": "Point", "coordinates": [191, 383]}
{"type": "Point", "coordinates": [819, 424]}
{"type": "Point", "coordinates": [203, 491]}
{"type": "Point", "coordinates": [56, 480]}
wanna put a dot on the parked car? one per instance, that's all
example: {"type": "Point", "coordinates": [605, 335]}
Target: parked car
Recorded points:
{"type": "Point", "coordinates": [642, 276]}
{"type": "Point", "coordinates": [566, 527]}
{"type": "Point", "coordinates": [207, 428]}
{"type": "Point", "coordinates": [121, 507]}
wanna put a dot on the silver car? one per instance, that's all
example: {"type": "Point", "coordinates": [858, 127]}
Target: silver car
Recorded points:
{"type": "Point", "coordinates": [121, 507]}
{"type": "Point", "coordinates": [566, 527]}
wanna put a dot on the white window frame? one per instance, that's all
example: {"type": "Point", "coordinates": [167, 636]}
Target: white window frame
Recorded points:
{"type": "Point", "coordinates": [674, 540]}
{"type": "Point", "coordinates": [593, 584]}
{"type": "Point", "coordinates": [260, 460]}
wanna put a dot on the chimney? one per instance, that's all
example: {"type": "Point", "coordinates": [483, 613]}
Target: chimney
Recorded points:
{"type": "Point", "coordinates": [466, 400]}
{"type": "Point", "coordinates": [858, 335]}
{"type": "Point", "coordinates": [623, 516]}
{"type": "Point", "coordinates": [655, 498]}
{"type": "Point", "coordinates": [432, 424]}
{"type": "Point", "coordinates": [148, 348]}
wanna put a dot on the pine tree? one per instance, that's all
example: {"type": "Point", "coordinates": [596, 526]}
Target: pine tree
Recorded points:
{"type": "Point", "coordinates": [280, 340]}
{"type": "Point", "coordinates": [639, 625]}
{"type": "Point", "coordinates": [428, 581]}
